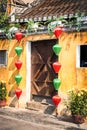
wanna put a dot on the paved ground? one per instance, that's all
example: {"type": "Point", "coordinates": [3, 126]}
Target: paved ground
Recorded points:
{"type": "Point", "coordinates": [40, 119]}
{"type": "Point", "coordinates": [9, 123]}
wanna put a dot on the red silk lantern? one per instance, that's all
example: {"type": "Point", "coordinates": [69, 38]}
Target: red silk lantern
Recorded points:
{"type": "Point", "coordinates": [56, 100]}
{"type": "Point", "coordinates": [57, 32]}
{"type": "Point", "coordinates": [18, 64]}
{"type": "Point", "coordinates": [56, 66]}
{"type": "Point", "coordinates": [18, 36]}
{"type": "Point", "coordinates": [18, 92]}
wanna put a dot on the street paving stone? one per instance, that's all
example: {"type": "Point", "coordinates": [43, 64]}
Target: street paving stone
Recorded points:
{"type": "Point", "coordinates": [61, 122]}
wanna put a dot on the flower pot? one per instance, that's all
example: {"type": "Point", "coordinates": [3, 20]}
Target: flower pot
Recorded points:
{"type": "Point", "coordinates": [3, 103]}
{"type": "Point", "coordinates": [78, 119]}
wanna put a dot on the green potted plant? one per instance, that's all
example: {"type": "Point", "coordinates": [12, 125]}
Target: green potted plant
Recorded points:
{"type": "Point", "coordinates": [77, 104]}
{"type": "Point", "coordinates": [3, 93]}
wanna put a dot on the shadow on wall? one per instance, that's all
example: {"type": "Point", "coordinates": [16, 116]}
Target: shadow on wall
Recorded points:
{"type": "Point", "coordinates": [12, 90]}
{"type": "Point", "coordinates": [13, 102]}
{"type": "Point", "coordinates": [13, 72]}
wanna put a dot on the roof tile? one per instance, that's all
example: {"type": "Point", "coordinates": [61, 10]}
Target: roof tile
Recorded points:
{"type": "Point", "coordinates": [53, 8]}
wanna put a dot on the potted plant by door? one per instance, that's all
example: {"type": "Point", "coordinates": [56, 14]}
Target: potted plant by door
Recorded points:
{"type": "Point", "coordinates": [78, 105]}
{"type": "Point", "coordinates": [3, 93]}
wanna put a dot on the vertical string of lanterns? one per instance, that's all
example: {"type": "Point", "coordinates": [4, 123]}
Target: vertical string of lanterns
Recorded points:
{"type": "Point", "coordinates": [18, 64]}
{"type": "Point", "coordinates": [56, 66]}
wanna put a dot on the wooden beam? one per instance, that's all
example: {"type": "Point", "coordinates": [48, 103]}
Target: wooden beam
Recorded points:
{"type": "Point", "coordinates": [8, 10]}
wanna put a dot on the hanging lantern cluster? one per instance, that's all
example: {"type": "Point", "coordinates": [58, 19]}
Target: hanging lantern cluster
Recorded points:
{"type": "Point", "coordinates": [18, 63]}
{"type": "Point", "coordinates": [56, 66]}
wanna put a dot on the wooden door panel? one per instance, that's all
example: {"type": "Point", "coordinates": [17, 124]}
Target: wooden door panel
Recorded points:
{"type": "Point", "coordinates": [42, 73]}
{"type": "Point", "coordinates": [42, 88]}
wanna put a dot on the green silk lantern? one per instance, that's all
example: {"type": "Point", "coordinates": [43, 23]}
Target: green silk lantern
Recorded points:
{"type": "Point", "coordinates": [18, 50]}
{"type": "Point", "coordinates": [56, 83]}
{"type": "Point", "coordinates": [18, 78]}
{"type": "Point", "coordinates": [56, 48]}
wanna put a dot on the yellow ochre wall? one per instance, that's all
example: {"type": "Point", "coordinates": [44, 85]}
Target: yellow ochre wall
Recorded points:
{"type": "Point", "coordinates": [69, 75]}
{"type": "Point", "coordinates": [8, 73]}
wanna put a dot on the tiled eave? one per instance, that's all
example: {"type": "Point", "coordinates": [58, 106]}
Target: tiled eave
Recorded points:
{"type": "Point", "coordinates": [45, 18]}
{"type": "Point", "coordinates": [45, 31]}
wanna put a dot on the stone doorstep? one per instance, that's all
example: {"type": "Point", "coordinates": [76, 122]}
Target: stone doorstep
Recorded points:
{"type": "Point", "coordinates": [41, 107]}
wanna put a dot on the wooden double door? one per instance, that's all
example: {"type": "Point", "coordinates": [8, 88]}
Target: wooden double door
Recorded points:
{"type": "Point", "coordinates": [42, 73]}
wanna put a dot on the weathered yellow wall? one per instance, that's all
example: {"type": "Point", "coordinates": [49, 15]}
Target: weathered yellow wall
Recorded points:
{"type": "Point", "coordinates": [9, 72]}
{"type": "Point", "coordinates": [71, 77]}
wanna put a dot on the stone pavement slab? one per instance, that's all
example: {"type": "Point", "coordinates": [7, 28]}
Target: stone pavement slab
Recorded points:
{"type": "Point", "coordinates": [60, 122]}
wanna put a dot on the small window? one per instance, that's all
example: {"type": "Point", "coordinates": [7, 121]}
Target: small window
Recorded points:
{"type": "Point", "coordinates": [3, 57]}
{"type": "Point", "coordinates": [81, 57]}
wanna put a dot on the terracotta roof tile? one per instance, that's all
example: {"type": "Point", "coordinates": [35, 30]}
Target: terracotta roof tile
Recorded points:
{"type": "Point", "coordinates": [52, 8]}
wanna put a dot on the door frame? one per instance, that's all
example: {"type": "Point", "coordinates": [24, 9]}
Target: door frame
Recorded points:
{"type": "Point", "coordinates": [28, 71]}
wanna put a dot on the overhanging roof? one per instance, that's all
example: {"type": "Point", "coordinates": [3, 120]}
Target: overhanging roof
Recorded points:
{"type": "Point", "coordinates": [49, 9]}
